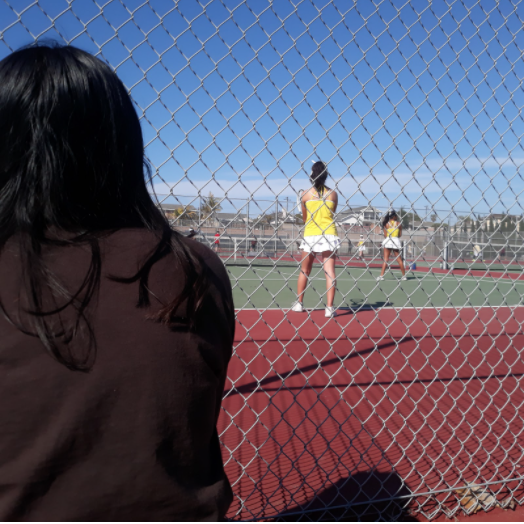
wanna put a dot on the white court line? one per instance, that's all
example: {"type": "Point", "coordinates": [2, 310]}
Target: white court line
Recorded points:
{"type": "Point", "coordinates": [359, 279]}
{"type": "Point", "coordinates": [419, 275]}
{"type": "Point", "coordinates": [456, 278]}
{"type": "Point", "coordinates": [367, 308]}
{"type": "Point", "coordinates": [322, 279]}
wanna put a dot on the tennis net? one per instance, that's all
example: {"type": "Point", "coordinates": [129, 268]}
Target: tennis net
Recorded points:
{"type": "Point", "coordinates": [485, 256]}
{"type": "Point", "coordinates": [284, 252]}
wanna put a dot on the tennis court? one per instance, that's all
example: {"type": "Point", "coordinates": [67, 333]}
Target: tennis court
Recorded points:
{"type": "Point", "coordinates": [262, 287]}
{"type": "Point", "coordinates": [413, 391]}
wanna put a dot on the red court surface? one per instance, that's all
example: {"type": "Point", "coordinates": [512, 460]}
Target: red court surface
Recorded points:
{"type": "Point", "coordinates": [335, 412]}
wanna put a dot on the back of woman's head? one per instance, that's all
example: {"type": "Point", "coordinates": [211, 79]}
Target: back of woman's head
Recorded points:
{"type": "Point", "coordinates": [319, 174]}
{"type": "Point", "coordinates": [71, 168]}
{"type": "Point", "coordinates": [71, 150]}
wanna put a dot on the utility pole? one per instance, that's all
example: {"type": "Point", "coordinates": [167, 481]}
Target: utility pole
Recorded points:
{"type": "Point", "coordinates": [276, 223]}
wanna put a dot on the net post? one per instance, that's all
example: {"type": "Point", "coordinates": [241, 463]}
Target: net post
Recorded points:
{"type": "Point", "coordinates": [445, 255]}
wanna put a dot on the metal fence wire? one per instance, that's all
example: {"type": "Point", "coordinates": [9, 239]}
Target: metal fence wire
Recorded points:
{"type": "Point", "coordinates": [411, 399]}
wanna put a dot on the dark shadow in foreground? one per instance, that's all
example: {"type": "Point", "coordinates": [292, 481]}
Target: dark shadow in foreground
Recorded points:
{"type": "Point", "coordinates": [367, 496]}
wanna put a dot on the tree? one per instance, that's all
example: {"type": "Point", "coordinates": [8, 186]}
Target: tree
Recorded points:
{"type": "Point", "coordinates": [434, 217]}
{"type": "Point", "coordinates": [210, 206]}
{"type": "Point", "coordinates": [270, 217]}
{"type": "Point", "coordinates": [185, 212]}
{"type": "Point", "coordinates": [440, 227]}
{"type": "Point", "coordinates": [406, 216]}
{"type": "Point", "coordinates": [507, 225]}
{"type": "Point", "coordinates": [265, 220]}
{"type": "Point", "coordinates": [181, 212]}
{"type": "Point", "coordinates": [464, 223]}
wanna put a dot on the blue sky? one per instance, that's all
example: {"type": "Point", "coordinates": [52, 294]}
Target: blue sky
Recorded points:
{"type": "Point", "coordinates": [414, 104]}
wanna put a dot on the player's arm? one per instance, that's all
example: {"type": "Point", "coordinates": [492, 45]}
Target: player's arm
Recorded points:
{"type": "Point", "coordinates": [304, 210]}
{"type": "Point", "coordinates": [335, 201]}
{"type": "Point", "coordinates": [399, 227]}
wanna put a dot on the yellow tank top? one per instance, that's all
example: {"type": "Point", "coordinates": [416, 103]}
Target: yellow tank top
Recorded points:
{"type": "Point", "coordinates": [320, 218]}
{"type": "Point", "coordinates": [393, 231]}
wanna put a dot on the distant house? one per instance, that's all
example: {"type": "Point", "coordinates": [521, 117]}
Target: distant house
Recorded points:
{"type": "Point", "coordinates": [285, 218]}
{"type": "Point", "coordinates": [496, 219]}
{"type": "Point", "coordinates": [228, 219]}
{"type": "Point", "coordinates": [359, 216]}
{"type": "Point", "coordinates": [426, 226]}
{"type": "Point", "coordinates": [176, 210]}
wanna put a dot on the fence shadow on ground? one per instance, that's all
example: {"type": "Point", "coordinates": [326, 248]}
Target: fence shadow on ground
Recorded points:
{"type": "Point", "coordinates": [366, 496]}
{"type": "Point", "coordinates": [363, 306]}
{"type": "Point", "coordinates": [262, 385]}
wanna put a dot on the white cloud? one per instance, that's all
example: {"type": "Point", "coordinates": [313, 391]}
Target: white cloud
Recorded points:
{"type": "Point", "coordinates": [442, 183]}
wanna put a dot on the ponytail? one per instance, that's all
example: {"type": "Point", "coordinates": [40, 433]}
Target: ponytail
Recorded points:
{"type": "Point", "coordinates": [389, 215]}
{"type": "Point", "coordinates": [318, 177]}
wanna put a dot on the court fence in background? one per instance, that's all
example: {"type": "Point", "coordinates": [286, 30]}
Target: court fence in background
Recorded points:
{"type": "Point", "coordinates": [411, 400]}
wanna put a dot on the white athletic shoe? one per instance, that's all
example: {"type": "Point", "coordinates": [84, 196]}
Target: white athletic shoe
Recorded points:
{"type": "Point", "coordinates": [379, 279]}
{"type": "Point", "coordinates": [330, 312]}
{"type": "Point", "coordinates": [298, 307]}
{"type": "Point", "coordinates": [404, 277]}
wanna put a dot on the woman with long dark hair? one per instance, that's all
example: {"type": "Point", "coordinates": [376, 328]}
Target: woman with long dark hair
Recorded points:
{"type": "Point", "coordinates": [321, 240]}
{"type": "Point", "coordinates": [392, 229]}
{"type": "Point", "coordinates": [115, 332]}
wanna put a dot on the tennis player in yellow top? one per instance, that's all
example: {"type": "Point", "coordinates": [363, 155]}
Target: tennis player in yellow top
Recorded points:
{"type": "Point", "coordinates": [392, 228]}
{"type": "Point", "coordinates": [319, 204]}
{"type": "Point", "coordinates": [361, 247]}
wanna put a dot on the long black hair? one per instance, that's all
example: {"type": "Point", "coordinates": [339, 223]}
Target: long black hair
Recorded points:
{"type": "Point", "coordinates": [71, 170]}
{"type": "Point", "coordinates": [388, 216]}
{"type": "Point", "coordinates": [319, 174]}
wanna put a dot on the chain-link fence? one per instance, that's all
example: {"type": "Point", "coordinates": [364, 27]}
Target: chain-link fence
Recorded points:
{"type": "Point", "coordinates": [411, 399]}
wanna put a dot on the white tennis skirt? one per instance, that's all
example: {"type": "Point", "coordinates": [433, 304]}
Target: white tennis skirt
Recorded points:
{"type": "Point", "coordinates": [392, 243]}
{"type": "Point", "coordinates": [320, 243]}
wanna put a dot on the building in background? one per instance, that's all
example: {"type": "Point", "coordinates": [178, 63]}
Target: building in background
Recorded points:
{"type": "Point", "coordinates": [359, 216]}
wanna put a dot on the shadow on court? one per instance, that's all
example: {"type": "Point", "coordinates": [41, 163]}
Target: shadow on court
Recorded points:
{"type": "Point", "coordinates": [450, 376]}
{"type": "Point", "coordinates": [261, 385]}
{"type": "Point", "coordinates": [356, 307]}
{"type": "Point", "coordinates": [367, 496]}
